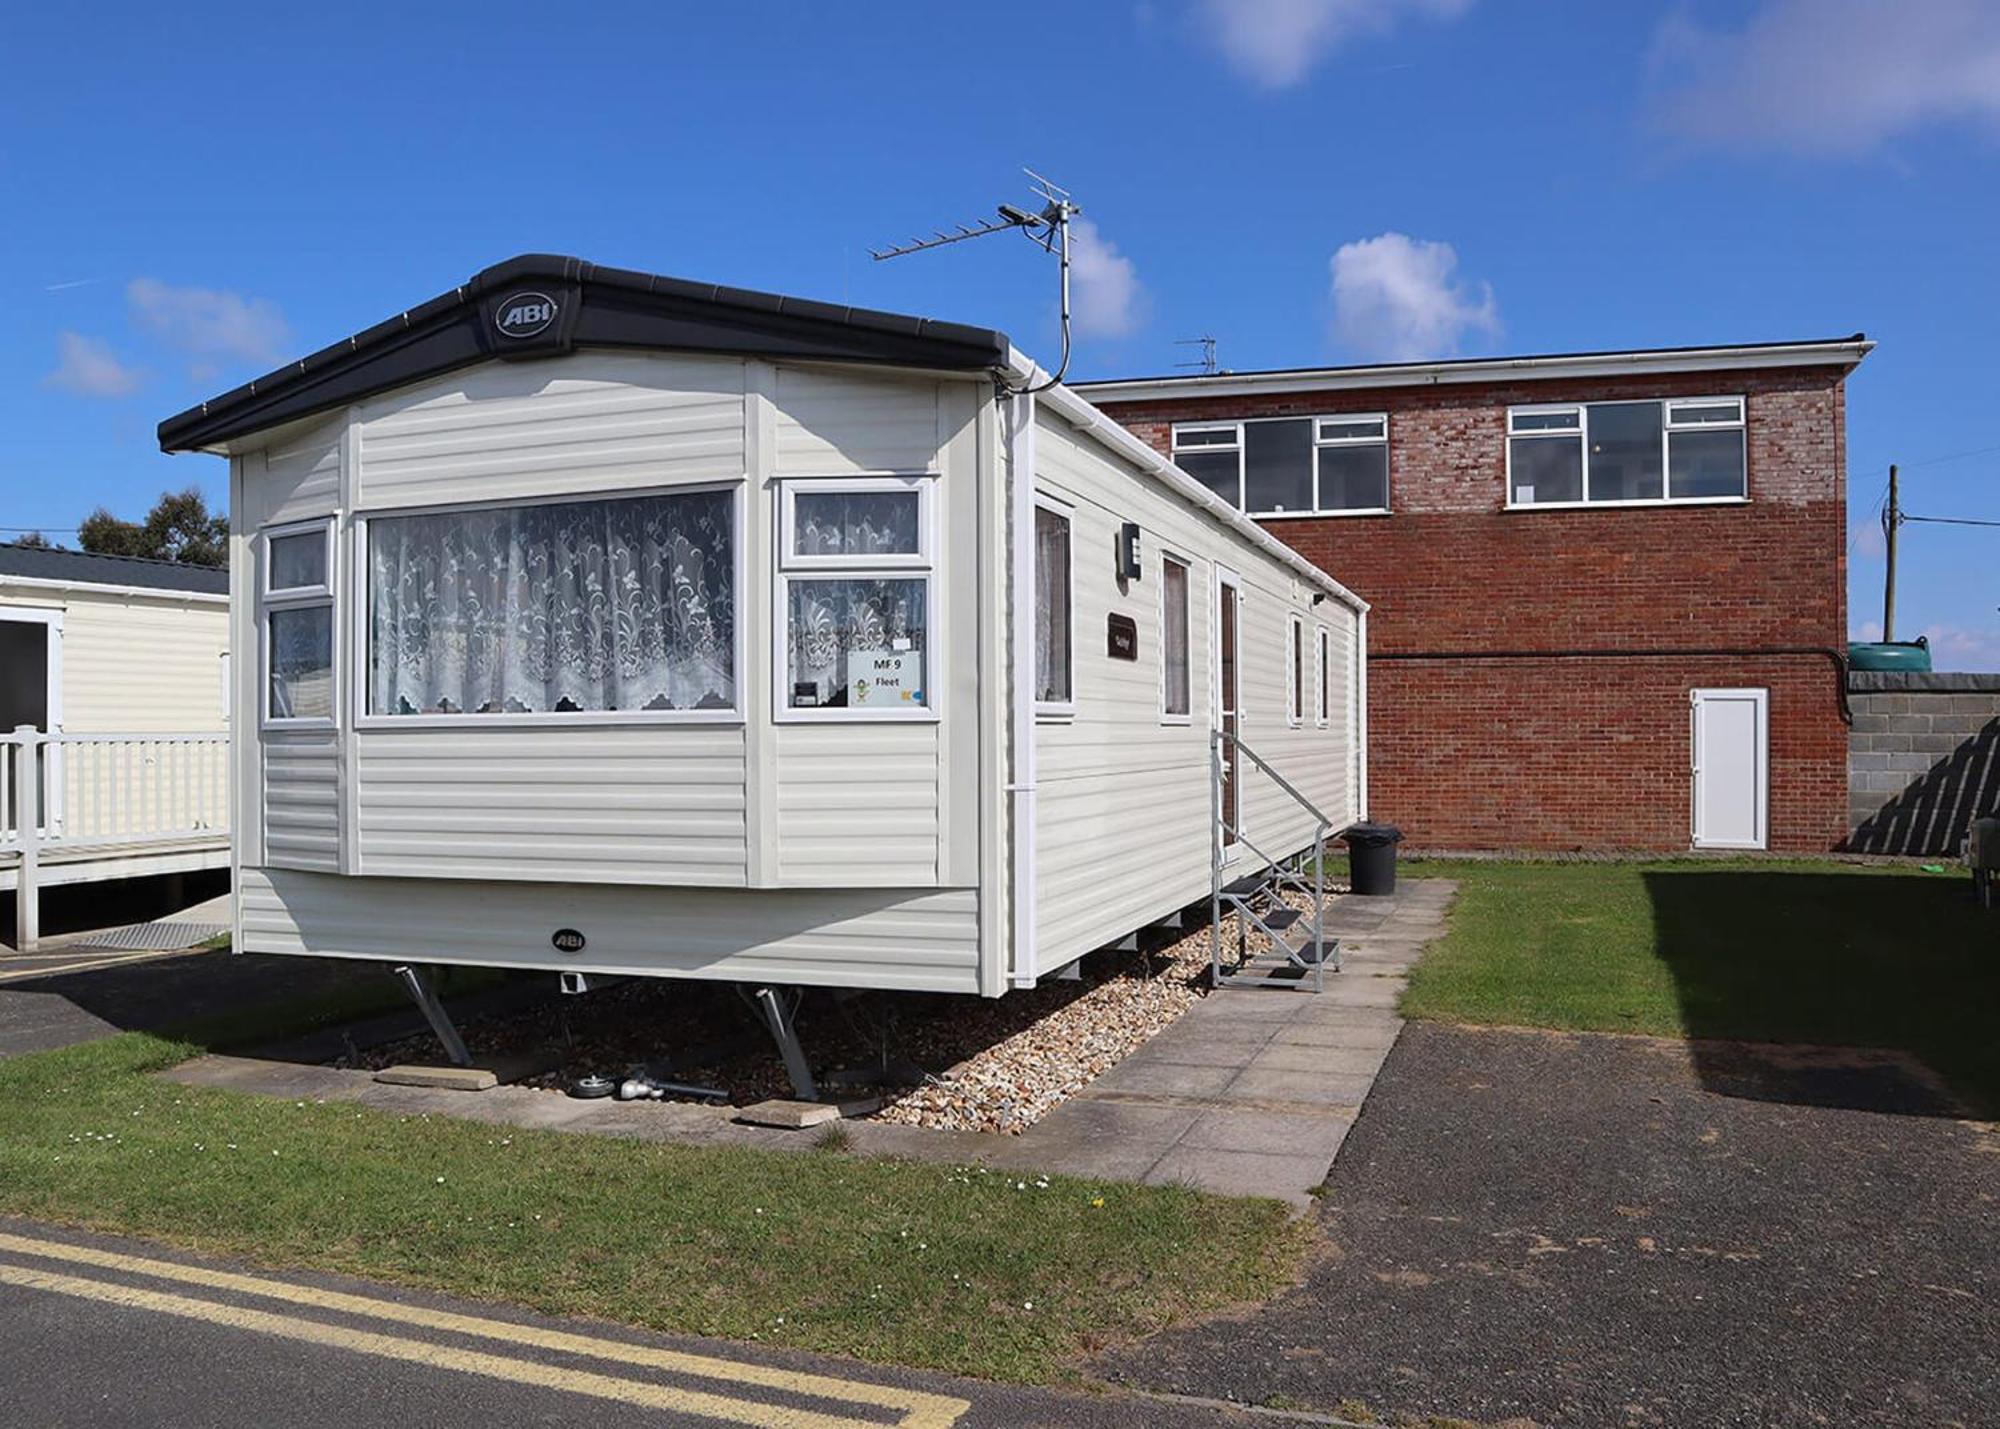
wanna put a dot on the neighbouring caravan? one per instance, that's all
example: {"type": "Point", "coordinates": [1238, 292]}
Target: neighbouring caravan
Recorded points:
{"type": "Point", "coordinates": [605, 623]}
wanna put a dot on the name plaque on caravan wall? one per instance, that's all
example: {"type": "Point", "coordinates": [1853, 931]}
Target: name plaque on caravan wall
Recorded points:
{"type": "Point", "coordinates": [1122, 642]}
{"type": "Point", "coordinates": [885, 679]}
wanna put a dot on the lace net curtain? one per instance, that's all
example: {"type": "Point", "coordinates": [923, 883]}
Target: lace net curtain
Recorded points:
{"type": "Point", "coordinates": [831, 619]}
{"type": "Point", "coordinates": [1051, 606]}
{"type": "Point", "coordinates": [588, 605]}
{"type": "Point", "coordinates": [855, 523]}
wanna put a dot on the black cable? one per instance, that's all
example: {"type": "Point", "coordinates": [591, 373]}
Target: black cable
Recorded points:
{"type": "Point", "coordinates": [1838, 658]}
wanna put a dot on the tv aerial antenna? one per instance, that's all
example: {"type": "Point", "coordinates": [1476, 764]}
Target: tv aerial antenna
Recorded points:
{"type": "Point", "coordinates": [1047, 229]}
{"type": "Point", "coordinates": [1206, 361]}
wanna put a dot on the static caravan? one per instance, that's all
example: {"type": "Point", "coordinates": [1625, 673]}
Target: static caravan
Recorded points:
{"type": "Point", "coordinates": [610, 624]}
{"type": "Point", "coordinates": [113, 681]}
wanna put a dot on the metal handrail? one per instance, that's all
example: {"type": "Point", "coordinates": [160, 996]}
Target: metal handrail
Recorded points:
{"type": "Point", "coordinates": [1274, 870]}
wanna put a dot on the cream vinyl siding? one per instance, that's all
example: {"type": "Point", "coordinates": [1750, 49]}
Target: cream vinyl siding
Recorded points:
{"type": "Point", "coordinates": [1123, 805]}
{"type": "Point", "coordinates": [896, 939]}
{"type": "Point", "coordinates": [300, 475]}
{"type": "Point", "coordinates": [607, 805]}
{"type": "Point", "coordinates": [135, 664]}
{"type": "Point", "coordinates": [301, 783]}
{"type": "Point", "coordinates": [590, 423]}
{"type": "Point", "coordinates": [857, 803]}
{"type": "Point", "coordinates": [830, 422]}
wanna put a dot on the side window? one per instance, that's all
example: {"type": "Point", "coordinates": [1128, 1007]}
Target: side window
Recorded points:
{"type": "Point", "coordinates": [297, 623]}
{"type": "Point", "coordinates": [1325, 681]}
{"type": "Point", "coordinates": [1175, 682]}
{"type": "Point", "coordinates": [856, 586]}
{"type": "Point", "coordinates": [1295, 669]}
{"type": "Point", "coordinates": [1055, 687]}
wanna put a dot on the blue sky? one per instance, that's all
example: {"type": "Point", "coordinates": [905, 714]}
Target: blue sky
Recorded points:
{"type": "Point", "coordinates": [192, 199]}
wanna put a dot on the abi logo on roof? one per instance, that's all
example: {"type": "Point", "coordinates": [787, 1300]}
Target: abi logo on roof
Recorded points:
{"type": "Point", "coordinates": [524, 314]}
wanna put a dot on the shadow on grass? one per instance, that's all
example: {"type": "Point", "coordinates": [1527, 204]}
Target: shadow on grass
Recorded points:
{"type": "Point", "coordinates": [1906, 963]}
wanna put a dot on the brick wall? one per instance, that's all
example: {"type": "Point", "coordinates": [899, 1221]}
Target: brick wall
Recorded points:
{"type": "Point", "coordinates": [1924, 760]}
{"type": "Point", "coordinates": [1560, 751]}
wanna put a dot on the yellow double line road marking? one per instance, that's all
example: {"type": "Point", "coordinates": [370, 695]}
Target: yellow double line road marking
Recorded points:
{"type": "Point", "coordinates": [920, 1410]}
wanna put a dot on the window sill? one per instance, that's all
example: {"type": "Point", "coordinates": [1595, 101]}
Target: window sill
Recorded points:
{"type": "Point", "coordinates": [1318, 515]}
{"type": "Point", "coordinates": [298, 726]}
{"type": "Point", "coordinates": [568, 719]}
{"type": "Point", "coordinates": [1176, 721]}
{"type": "Point", "coordinates": [1055, 714]}
{"type": "Point", "coordinates": [1651, 501]}
{"type": "Point", "coordinates": [845, 714]}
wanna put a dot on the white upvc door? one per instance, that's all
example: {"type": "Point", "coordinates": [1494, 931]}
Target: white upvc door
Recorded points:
{"type": "Point", "coordinates": [1731, 747]}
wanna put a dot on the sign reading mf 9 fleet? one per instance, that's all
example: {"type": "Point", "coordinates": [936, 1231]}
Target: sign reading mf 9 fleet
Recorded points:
{"type": "Point", "coordinates": [885, 678]}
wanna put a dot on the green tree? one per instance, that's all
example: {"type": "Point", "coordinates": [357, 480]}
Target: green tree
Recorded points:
{"type": "Point", "coordinates": [180, 527]}
{"type": "Point", "coordinates": [36, 541]}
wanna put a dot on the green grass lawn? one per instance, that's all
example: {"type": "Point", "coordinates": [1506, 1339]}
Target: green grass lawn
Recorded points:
{"type": "Point", "coordinates": [1009, 1277]}
{"type": "Point", "coordinates": [1821, 952]}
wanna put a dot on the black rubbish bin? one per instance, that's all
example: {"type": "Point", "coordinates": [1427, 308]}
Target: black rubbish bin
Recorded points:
{"type": "Point", "coordinates": [1371, 858]}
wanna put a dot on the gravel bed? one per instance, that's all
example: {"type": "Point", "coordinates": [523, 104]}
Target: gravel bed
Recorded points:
{"type": "Point", "coordinates": [965, 1063]}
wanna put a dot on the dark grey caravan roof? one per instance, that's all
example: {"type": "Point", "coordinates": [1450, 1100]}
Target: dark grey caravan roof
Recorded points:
{"type": "Point", "coordinates": [83, 568]}
{"type": "Point", "coordinates": [544, 305]}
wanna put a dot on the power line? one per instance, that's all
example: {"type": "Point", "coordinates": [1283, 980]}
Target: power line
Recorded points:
{"type": "Point", "coordinates": [1951, 520]}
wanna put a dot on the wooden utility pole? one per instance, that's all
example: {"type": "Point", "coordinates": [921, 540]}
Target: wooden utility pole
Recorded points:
{"type": "Point", "coordinates": [1892, 517]}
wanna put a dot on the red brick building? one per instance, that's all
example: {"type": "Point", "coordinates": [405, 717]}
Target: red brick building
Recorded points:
{"type": "Point", "coordinates": [1609, 589]}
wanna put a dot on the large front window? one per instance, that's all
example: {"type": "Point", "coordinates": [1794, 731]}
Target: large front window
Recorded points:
{"type": "Point", "coordinates": [1680, 449]}
{"type": "Point", "coordinates": [623, 605]}
{"type": "Point", "coordinates": [1291, 466]}
{"type": "Point", "coordinates": [856, 583]}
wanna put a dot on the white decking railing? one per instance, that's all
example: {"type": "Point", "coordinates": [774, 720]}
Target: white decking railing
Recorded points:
{"type": "Point", "coordinates": [70, 796]}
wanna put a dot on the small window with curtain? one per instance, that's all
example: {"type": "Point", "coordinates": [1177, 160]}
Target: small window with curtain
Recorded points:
{"type": "Point", "coordinates": [1055, 673]}
{"type": "Point", "coordinates": [856, 588]}
{"type": "Point", "coordinates": [297, 624]}
{"type": "Point", "coordinates": [1176, 683]}
{"type": "Point", "coordinates": [1295, 662]}
{"type": "Point", "coordinates": [620, 606]}
{"type": "Point", "coordinates": [1324, 684]}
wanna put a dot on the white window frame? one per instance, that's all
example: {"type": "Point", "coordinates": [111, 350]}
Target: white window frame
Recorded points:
{"type": "Point", "coordinates": [1295, 670]}
{"type": "Point", "coordinates": [790, 567]}
{"type": "Point", "coordinates": [1186, 563]}
{"type": "Point", "coordinates": [923, 558]}
{"type": "Point", "coordinates": [1323, 666]}
{"type": "Point", "coordinates": [364, 633]}
{"type": "Point", "coordinates": [1240, 447]}
{"type": "Point", "coordinates": [1060, 710]}
{"type": "Point", "coordinates": [312, 597]}
{"type": "Point", "coordinates": [1580, 434]}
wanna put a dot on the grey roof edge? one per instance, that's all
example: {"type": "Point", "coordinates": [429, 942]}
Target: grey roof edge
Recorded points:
{"type": "Point", "coordinates": [42, 563]}
{"type": "Point", "coordinates": [446, 333]}
{"type": "Point", "coordinates": [1845, 351]}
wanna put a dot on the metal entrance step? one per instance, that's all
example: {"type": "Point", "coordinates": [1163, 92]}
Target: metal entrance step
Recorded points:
{"type": "Point", "coordinates": [1267, 897]}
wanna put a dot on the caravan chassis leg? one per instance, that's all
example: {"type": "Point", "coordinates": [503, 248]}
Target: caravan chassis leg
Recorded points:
{"type": "Point", "coordinates": [426, 998]}
{"type": "Point", "coordinates": [787, 1038]}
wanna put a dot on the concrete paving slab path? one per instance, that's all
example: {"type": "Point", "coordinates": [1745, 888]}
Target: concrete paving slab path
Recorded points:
{"type": "Point", "coordinates": [1251, 1093]}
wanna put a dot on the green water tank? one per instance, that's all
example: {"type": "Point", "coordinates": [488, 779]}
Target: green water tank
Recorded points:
{"type": "Point", "coordinates": [1890, 654]}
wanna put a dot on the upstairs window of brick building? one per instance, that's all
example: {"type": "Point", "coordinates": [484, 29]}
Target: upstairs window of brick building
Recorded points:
{"type": "Point", "coordinates": [1291, 466]}
{"type": "Point", "coordinates": [1626, 453]}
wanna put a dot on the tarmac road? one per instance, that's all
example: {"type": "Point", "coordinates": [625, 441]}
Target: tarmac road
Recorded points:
{"type": "Point", "coordinates": [102, 1333]}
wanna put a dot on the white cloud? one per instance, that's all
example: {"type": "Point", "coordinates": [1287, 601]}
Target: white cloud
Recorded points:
{"type": "Point", "coordinates": [208, 323]}
{"type": "Point", "coordinates": [88, 367]}
{"type": "Point", "coordinates": [1953, 647]}
{"type": "Point", "coordinates": [1829, 76]}
{"type": "Point", "coordinates": [1869, 540]}
{"type": "Point", "coordinates": [1275, 43]}
{"type": "Point", "coordinates": [1398, 299]}
{"type": "Point", "coordinates": [1107, 299]}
